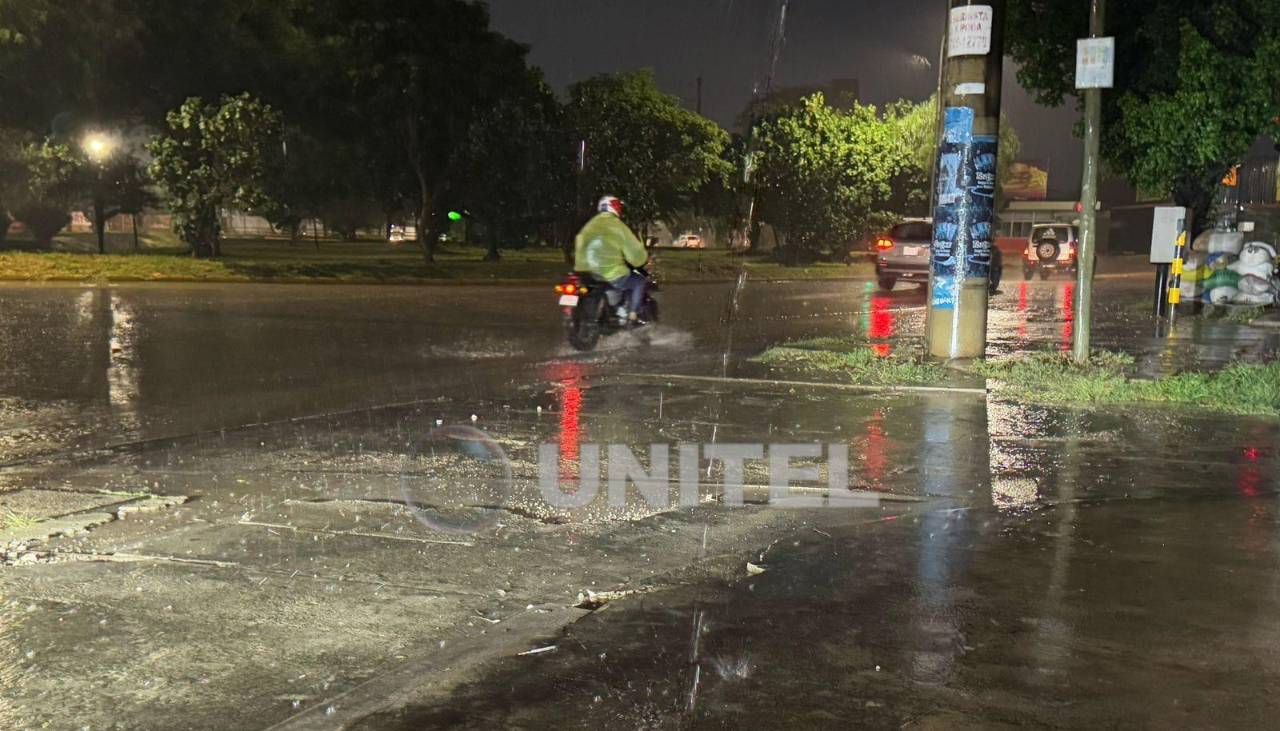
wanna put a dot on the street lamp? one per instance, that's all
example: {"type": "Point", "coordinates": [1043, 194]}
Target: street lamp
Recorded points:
{"type": "Point", "coordinates": [99, 147]}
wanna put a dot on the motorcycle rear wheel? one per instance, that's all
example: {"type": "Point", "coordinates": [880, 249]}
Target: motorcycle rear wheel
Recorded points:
{"type": "Point", "coordinates": [582, 326]}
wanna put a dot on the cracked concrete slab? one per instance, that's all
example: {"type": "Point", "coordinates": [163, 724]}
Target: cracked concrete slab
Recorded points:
{"type": "Point", "coordinates": [36, 504]}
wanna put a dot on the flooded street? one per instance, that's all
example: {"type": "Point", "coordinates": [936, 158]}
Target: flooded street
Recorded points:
{"type": "Point", "coordinates": [97, 366]}
{"type": "Point", "coordinates": [1016, 564]}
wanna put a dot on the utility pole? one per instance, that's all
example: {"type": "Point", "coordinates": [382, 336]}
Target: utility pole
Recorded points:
{"type": "Point", "coordinates": [965, 174]}
{"type": "Point", "coordinates": [1089, 186]}
{"type": "Point", "coordinates": [699, 93]}
{"type": "Point", "coordinates": [747, 194]}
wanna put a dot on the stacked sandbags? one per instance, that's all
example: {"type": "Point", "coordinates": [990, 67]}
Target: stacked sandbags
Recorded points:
{"type": "Point", "coordinates": [1256, 266]}
{"type": "Point", "coordinates": [1223, 270]}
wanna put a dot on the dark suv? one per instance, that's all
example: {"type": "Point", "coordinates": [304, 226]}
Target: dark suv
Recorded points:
{"type": "Point", "coordinates": [905, 252]}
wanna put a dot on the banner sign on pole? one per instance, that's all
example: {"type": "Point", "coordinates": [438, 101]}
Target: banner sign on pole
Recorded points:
{"type": "Point", "coordinates": [970, 32]}
{"type": "Point", "coordinates": [1095, 63]}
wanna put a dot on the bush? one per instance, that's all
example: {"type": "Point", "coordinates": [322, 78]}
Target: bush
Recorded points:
{"type": "Point", "coordinates": [43, 220]}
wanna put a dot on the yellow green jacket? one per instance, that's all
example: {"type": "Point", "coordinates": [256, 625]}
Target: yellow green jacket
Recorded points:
{"type": "Point", "coordinates": [605, 247]}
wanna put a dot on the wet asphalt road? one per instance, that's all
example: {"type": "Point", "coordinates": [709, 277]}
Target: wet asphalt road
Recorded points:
{"type": "Point", "coordinates": [93, 366]}
{"type": "Point", "coordinates": [1065, 568]}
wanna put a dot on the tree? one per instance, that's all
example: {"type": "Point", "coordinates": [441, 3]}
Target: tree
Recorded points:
{"type": "Point", "coordinates": [825, 175]}
{"type": "Point", "coordinates": [52, 188]}
{"type": "Point", "coordinates": [642, 145]}
{"type": "Point", "coordinates": [13, 177]}
{"type": "Point", "coordinates": [133, 196]}
{"type": "Point", "coordinates": [1196, 82]}
{"type": "Point", "coordinates": [416, 75]}
{"type": "Point", "coordinates": [110, 187]}
{"type": "Point", "coordinates": [213, 157]}
{"type": "Point", "coordinates": [298, 182]}
{"type": "Point", "coordinates": [518, 175]}
{"type": "Point", "coordinates": [713, 210]}
{"type": "Point", "coordinates": [841, 94]}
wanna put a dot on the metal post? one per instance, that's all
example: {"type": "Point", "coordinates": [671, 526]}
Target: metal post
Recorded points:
{"type": "Point", "coordinates": [1089, 201]}
{"type": "Point", "coordinates": [1162, 289]}
{"type": "Point", "coordinates": [1175, 284]}
{"type": "Point", "coordinates": [964, 192]}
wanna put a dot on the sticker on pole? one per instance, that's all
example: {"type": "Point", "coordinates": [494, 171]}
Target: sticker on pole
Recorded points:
{"type": "Point", "coordinates": [1095, 63]}
{"type": "Point", "coordinates": [970, 31]}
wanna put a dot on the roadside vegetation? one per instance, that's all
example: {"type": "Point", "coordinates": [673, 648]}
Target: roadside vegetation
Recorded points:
{"type": "Point", "coordinates": [1053, 378]}
{"type": "Point", "coordinates": [853, 360]}
{"type": "Point", "coordinates": [275, 260]}
{"type": "Point", "coordinates": [12, 519]}
{"type": "Point", "coordinates": [1048, 377]}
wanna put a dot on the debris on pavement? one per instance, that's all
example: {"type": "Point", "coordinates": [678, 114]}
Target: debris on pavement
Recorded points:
{"type": "Point", "coordinates": [592, 600]}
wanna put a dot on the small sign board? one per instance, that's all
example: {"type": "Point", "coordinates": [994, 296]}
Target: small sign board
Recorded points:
{"type": "Point", "coordinates": [1165, 229]}
{"type": "Point", "coordinates": [1095, 63]}
{"type": "Point", "coordinates": [970, 31]}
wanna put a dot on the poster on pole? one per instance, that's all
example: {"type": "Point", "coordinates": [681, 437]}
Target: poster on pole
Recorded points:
{"type": "Point", "coordinates": [1095, 63]}
{"type": "Point", "coordinates": [970, 31]}
{"type": "Point", "coordinates": [965, 214]}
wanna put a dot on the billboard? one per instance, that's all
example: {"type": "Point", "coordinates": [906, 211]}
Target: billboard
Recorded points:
{"type": "Point", "coordinates": [1026, 182]}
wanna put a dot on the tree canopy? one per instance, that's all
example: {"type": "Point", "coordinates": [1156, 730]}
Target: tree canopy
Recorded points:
{"type": "Point", "coordinates": [1196, 82]}
{"type": "Point", "coordinates": [825, 175]}
{"type": "Point", "coordinates": [211, 157]}
{"type": "Point", "coordinates": [642, 144]}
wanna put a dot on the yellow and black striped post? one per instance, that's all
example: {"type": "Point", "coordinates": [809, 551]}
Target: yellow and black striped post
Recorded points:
{"type": "Point", "coordinates": [1175, 276]}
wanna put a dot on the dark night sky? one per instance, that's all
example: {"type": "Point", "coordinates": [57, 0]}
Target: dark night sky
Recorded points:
{"type": "Point", "coordinates": [875, 41]}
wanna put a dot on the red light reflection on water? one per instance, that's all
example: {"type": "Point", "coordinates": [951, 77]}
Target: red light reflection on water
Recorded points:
{"type": "Point", "coordinates": [875, 453]}
{"type": "Point", "coordinates": [882, 325]}
{"type": "Point", "coordinates": [1068, 314]}
{"type": "Point", "coordinates": [1249, 479]}
{"type": "Point", "coordinates": [569, 398]}
{"type": "Point", "coordinates": [1023, 306]}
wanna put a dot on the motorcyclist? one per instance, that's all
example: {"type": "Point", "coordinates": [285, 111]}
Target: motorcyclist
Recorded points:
{"type": "Point", "coordinates": [607, 248]}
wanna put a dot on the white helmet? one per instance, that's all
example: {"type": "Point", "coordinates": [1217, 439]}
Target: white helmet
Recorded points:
{"type": "Point", "coordinates": [610, 204]}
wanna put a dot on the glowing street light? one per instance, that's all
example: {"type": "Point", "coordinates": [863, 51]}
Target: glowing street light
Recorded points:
{"type": "Point", "coordinates": [99, 146]}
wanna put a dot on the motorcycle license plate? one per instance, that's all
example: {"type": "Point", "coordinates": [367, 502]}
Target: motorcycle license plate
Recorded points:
{"type": "Point", "coordinates": [912, 250]}
{"type": "Point", "coordinates": [569, 300]}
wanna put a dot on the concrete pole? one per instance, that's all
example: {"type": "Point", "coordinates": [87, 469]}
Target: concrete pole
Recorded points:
{"type": "Point", "coordinates": [964, 192]}
{"type": "Point", "coordinates": [1089, 202]}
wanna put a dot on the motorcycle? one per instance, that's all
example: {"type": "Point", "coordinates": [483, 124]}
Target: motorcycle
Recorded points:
{"type": "Point", "coordinates": [591, 308]}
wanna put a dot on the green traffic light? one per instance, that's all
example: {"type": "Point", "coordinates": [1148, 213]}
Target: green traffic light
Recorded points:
{"type": "Point", "coordinates": [455, 216]}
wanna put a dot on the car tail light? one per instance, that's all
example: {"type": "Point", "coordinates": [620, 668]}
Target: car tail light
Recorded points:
{"type": "Point", "coordinates": [883, 243]}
